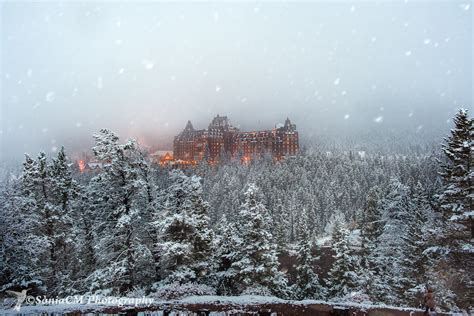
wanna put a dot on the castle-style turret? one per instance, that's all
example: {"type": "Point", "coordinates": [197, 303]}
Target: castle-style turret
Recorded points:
{"type": "Point", "coordinates": [189, 127]}
{"type": "Point", "coordinates": [288, 126]}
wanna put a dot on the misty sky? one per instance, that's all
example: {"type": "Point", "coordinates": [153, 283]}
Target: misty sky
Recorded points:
{"type": "Point", "coordinates": [144, 69]}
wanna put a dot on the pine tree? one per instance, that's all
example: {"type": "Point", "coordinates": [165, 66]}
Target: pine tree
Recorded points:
{"type": "Point", "coordinates": [203, 235]}
{"type": "Point", "coordinates": [282, 227]}
{"type": "Point", "coordinates": [457, 197]}
{"type": "Point", "coordinates": [370, 223]}
{"type": "Point", "coordinates": [23, 245]}
{"type": "Point", "coordinates": [420, 226]}
{"type": "Point", "coordinates": [307, 284]}
{"type": "Point", "coordinates": [395, 268]}
{"type": "Point", "coordinates": [86, 210]}
{"type": "Point", "coordinates": [63, 192]}
{"type": "Point", "coordinates": [227, 245]}
{"type": "Point", "coordinates": [49, 220]}
{"type": "Point", "coordinates": [185, 238]}
{"type": "Point", "coordinates": [342, 278]}
{"type": "Point", "coordinates": [123, 257]}
{"type": "Point", "coordinates": [456, 236]}
{"type": "Point", "coordinates": [44, 198]}
{"type": "Point", "coordinates": [256, 260]}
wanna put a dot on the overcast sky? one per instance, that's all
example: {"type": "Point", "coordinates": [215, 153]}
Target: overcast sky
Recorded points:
{"type": "Point", "coordinates": [144, 69]}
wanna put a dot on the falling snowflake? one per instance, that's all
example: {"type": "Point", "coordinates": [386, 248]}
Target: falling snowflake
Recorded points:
{"type": "Point", "coordinates": [427, 41]}
{"type": "Point", "coordinates": [50, 96]}
{"type": "Point", "coordinates": [336, 82]}
{"type": "Point", "coordinates": [121, 70]}
{"type": "Point", "coordinates": [29, 73]}
{"type": "Point", "coordinates": [410, 114]}
{"type": "Point", "coordinates": [408, 53]}
{"type": "Point", "coordinates": [218, 88]}
{"type": "Point", "coordinates": [243, 100]}
{"type": "Point", "coordinates": [344, 92]}
{"type": "Point", "coordinates": [148, 64]}
{"type": "Point", "coordinates": [54, 149]}
{"type": "Point", "coordinates": [465, 7]}
{"type": "Point", "coordinates": [353, 8]}
{"type": "Point", "coordinates": [100, 83]}
{"type": "Point", "coordinates": [44, 130]}
{"type": "Point", "coordinates": [347, 116]}
{"type": "Point", "coordinates": [78, 124]}
{"type": "Point", "coordinates": [378, 119]}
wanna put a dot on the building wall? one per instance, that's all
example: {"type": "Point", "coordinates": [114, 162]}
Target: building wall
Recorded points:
{"type": "Point", "coordinates": [222, 138]}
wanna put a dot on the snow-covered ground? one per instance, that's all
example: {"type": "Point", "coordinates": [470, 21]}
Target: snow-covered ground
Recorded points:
{"type": "Point", "coordinates": [156, 307]}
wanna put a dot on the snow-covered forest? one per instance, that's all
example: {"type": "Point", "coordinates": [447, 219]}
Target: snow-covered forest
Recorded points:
{"type": "Point", "coordinates": [337, 226]}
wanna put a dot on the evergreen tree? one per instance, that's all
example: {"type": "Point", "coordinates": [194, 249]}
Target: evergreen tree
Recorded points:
{"type": "Point", "coordinates": [184, 233]}
{"type": "Point", "coordinates": [307, 284]}
{"type": "Point", "coordinates": [43, 200]}
{"type": "Point", "coordinates": [419, 228]}
{"type": "Point", "coordinates": [227, 245]}
{"type": "Point", "coordinates": [63, 192]}
{"type": "Point", "coordinates": [87, 209]}
{"type": "Point", "coordinates": [23, 245]}
{"type": "Point", "coordinates": [457, 197]}
{"type": "Point", "coordinates": [395, 268]}
{"type": "Point", "coordinates": [282, 227]}
{"type": "Point", "coordinates": [342, 278]}
{"type": "Point", "coordinates": [370, 223]}
{"type": "Point", "coordinates": [256, 260]}
{"type": "Point", "coordinates": [49, 219]}
{"type": "Point", "coordinates": [456, 235]}
{"type": "Point", "coordinates": [123, 257]}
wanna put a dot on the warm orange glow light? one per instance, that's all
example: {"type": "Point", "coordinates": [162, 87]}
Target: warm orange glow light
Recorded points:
{"type": "Point", "coordinates": [82, 166]}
